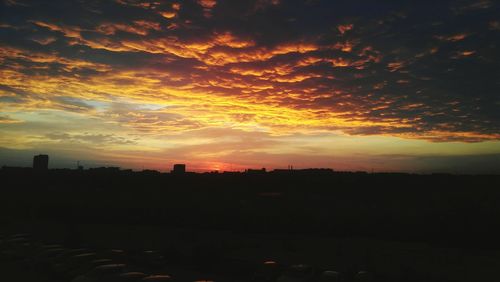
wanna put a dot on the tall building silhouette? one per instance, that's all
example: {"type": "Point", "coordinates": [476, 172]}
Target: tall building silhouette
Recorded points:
{"type": "Point", "coordinates": [41, 162]}
{"type": "Point", "coordinates": [179, 168]}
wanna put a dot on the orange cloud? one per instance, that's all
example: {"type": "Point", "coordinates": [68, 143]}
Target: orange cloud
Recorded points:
{"type": "Point", "coordinates": [203, 50]}
{"type": "Point", "coordinates": [143, 5]}
{"type": "Point", "coordinates": [453, 37]}
{"type": "Point", "coordinates": [208, 4]}
{"type": "Point", "coordinates": [463, 54]}
{"type": "Point", "coordinates": [149, 25]}
{"type": "Point", "coordinates": [339, 62]}
{"type": "Point", "coordinates": [395, 66]}
{"type": "Point", "coordinates": [227, 39]}
{"type": "Point", "coordinates": [139, 28]}
{"type": "Point", "coordinates": [73, 32]}
{"type": "Point", "coordinates": [168, 14]}
{"type": "Point", "coordinates": [295, 78]}
{"type": "Point", "coordinates": [45, 40]}
{"type": "Point", "coordinates": [344, 46]}
{"type": "Point", "coordinates": [344, 28]}
{"type": "Point", "coordinates": [43, 58]}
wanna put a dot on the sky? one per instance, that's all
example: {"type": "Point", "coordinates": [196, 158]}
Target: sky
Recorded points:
{"type": "Point", "coordinates": [410, 86]}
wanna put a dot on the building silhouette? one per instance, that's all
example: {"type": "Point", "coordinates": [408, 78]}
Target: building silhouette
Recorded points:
{"type": "Point", "coordinates": [256, 171]}
{"type": "Point", "coordinates": [179, 168]}
{"type": "Point", "coordinates": [41, 162]}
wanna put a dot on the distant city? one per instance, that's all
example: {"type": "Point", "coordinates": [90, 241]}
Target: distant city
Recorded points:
{"type": "Point", "coordinates": [41, 163]}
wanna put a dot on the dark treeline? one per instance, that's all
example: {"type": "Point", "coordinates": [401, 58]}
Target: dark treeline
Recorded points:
{"type": "Point", "coordinates": [445, 210]}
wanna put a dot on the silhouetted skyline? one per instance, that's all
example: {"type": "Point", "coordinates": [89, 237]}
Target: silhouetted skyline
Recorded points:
{"type": "Point", "coordinates": [40, 162]}
{"type": "Point", "coordinates": [225, 227]}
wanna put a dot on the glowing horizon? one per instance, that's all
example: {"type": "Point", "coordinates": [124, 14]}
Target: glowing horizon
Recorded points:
{"type": "Point", "coordinates": [221, 85]}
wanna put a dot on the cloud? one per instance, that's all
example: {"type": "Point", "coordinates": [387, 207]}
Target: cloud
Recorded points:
{"type": "Point", "coordinates": [96, 139]}
{"type": "Point", "coordinates": [44, 40]}
{"type": "Point", "coordinates": [15, 3]}
{"type": "Point", "coordinates": [343, 28]}
{"type": "Point", "coordinates": [453, 37]}
{"type": "Point", "coordinates": [8, 120]}
{"type": "Point", "coordinates": [207, 5]}
{"type": "Point", "coordinates": [141, 27]}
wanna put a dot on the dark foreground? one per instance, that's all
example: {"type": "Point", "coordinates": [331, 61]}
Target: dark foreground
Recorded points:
{"type": "Point", "coordinates": [284, 226]}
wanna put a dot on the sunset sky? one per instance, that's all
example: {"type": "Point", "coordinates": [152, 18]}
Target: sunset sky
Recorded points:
{"type": "Point", "coordinates": [385, 85]}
